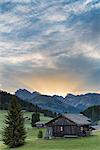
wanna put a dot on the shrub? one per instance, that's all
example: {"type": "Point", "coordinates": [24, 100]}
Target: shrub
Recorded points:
{"type": "Point", "coordinates": [40, 134]}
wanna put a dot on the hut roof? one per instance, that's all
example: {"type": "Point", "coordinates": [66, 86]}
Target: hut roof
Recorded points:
{"type": "Point", "coordinates": [40, 122]}
{"type": "Point", "coordinates": [43, 121]}
{"type": "Point", "coordinates": [78, 119]}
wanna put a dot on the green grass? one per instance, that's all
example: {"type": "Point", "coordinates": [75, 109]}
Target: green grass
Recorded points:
{"type": "Point", "coordinates": [32, 143]}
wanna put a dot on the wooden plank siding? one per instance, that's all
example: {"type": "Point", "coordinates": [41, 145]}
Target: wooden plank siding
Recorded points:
{"type": "Point", "coordinates": [62, 126]}
{"type": "Point", "coordinates": [64, 130]}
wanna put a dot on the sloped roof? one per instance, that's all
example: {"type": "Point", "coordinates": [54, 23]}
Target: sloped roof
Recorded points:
{"type": "Point", "coordinates": [41, 122]}
{"type": "Point", "coordinates": [79, 119]}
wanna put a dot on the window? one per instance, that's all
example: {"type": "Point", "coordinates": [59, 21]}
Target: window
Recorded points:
{"type": "Point", "coordinates": [61, 128]}
{"type": "Point", "coordinates": [81, 128]}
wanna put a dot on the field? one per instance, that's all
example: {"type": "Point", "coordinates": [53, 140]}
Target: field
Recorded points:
{"type": "Point", "coordinates": [33, 143]}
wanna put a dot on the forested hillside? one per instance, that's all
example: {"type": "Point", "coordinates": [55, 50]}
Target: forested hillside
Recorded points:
{"type": "Point", "coordinates": [93, 113]}
{"type": "Point", "coordinates": [5, 99]}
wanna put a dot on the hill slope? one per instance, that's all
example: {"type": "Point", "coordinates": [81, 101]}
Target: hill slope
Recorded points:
{"type": "Point", "coordinates": [5, 99]}
{"type": "Point", "coordinates": [93, 113]}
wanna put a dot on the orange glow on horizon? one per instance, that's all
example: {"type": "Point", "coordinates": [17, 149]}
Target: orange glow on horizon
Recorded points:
{"type": "Point", "coordinates": [50, 85]}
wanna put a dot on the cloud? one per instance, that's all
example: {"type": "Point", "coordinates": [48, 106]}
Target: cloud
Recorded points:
{"type": "Point", "coordinates": [42, 40]}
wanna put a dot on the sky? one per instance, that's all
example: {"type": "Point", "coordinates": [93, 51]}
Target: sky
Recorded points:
{"type": "Point", "coordinates": [50, 46]}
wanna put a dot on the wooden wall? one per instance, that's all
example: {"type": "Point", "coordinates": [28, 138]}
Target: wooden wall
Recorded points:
{"type": "Point", "coordinates": [62, 126]}
{"type": "Point", "coordinates": [64, 130]}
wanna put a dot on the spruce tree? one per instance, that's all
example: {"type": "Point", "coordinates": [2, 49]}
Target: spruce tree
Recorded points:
{"type": "Point", "coordinates": [14, 132]}
{"type": "Point", "coordinates": [35, 118]}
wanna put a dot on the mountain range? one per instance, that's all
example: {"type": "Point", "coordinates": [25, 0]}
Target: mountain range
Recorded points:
{"type": "Point", "coordinates": [71, 103]}
{"type": "Point", "coordinates": [52, 103]}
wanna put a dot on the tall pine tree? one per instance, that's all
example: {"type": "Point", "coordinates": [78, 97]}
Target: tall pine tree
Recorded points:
{"type": "Point", "coordinates": [35, 118]}
{"type": "Point", "coordinates": [14, 132]}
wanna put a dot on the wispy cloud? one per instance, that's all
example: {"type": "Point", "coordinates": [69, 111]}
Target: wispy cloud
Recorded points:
{"type": "Point", "coordinates": [46, 39]}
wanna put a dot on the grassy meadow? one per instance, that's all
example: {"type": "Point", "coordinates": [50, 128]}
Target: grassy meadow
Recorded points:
{"type": "Point", "coordinates": [33, 143]}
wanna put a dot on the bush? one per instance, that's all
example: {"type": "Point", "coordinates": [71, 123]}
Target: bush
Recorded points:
{"type": "Point", "coordinates": [40, 134]}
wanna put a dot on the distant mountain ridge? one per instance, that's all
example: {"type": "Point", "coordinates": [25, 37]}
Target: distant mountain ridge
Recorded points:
{"type": "Point", "coordinates": [83, 101]}
{"type": "Point", "coordinates": [71, 103]}
{"type": "Point", "coordinates": [25, 94]}
{"type": "Point", "coordinates": [52, 103]}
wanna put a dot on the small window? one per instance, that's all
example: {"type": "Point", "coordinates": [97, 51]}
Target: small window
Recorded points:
{"type": "Point", "coordinates": [81, 128]}
{"type": "Point", "coordinates": [61, 128]}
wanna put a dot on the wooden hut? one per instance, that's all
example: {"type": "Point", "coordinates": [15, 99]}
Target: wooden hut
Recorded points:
{"type": "Point", "coordinates": [68, 125]}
